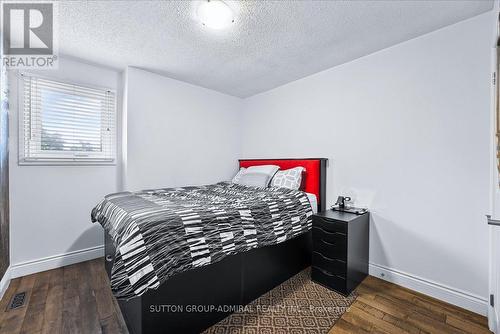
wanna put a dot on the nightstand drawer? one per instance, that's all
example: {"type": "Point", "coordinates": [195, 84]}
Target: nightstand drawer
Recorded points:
{"type": "Point", "coordinates": [334, 251]}
{"type": "Point", "coordinates": [331, 265]}
{"type": "Point", "coordinates": [330, 225]}
{"type": "Point", "coordinates": [331, 281]}
{"type": "Point", "coordinates": [320, 232]}
{"type": "Point", "coordinates": [330, 244]}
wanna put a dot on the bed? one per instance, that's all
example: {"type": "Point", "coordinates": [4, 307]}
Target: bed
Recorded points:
{"type": "Point", "coordinates": [202, 293]}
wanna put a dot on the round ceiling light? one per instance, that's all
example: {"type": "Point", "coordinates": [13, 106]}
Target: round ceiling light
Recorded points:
{"type": "Point", "coordinates": [215, 14]}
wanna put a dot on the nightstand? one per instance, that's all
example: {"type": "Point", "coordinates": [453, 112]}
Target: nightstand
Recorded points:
{"type": "Point", "coordinates": [340, 249]}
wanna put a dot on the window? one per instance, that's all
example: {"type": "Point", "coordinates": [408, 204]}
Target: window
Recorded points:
{"type": "Point", "coordinates": [66, 123]}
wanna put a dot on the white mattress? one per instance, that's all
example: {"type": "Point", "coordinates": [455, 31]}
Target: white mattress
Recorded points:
{"type": "Point", "coordinates": [314, 202]}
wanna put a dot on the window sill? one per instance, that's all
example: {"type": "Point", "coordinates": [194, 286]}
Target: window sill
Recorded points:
{"type": "Point", "coordinates": [66, 163]}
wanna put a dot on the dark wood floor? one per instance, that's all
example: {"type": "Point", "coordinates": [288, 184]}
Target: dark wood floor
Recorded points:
{"type": "Point", "coordinates": [77, 299]}
{"type": "Point", "coordinates": [73, 299]}
{"type": "Point", "coordinates": [382, 307]}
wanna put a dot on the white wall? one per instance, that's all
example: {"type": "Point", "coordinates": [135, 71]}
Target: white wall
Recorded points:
{"type": "Point", "coordinates": [177, 133]}
{"type": "Point", "coordinates": [50, 205]}
{"type": "Point", "coordinates": [407, 130]}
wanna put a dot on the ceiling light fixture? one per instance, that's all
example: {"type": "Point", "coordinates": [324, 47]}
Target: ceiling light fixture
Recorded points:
{"type": "Point", "coordinates": [215, 14]}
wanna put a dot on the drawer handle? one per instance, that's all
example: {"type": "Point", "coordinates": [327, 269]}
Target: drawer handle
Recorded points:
{"type": "Point", "coordinates": [327, 232]}
{"type": "Point", "coordinates": [492, 221]}
{"type": "Point", "coordinates": [328, 243]}
{"type": "Point", "coordinates": [331, 275]}
{"type": "Point", "coordinates": [109, 258]}
{"type": "Point", "coordinates": [328, 258]}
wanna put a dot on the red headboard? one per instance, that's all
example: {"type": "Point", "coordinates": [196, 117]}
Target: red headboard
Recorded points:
{"type": "Point", "coordinates": [315, 175]}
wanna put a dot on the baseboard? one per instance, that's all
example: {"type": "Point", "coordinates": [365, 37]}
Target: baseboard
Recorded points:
{"type": "Point", "coordinates": [55, 261]}
{"type": "Point", "coordinates": [493, 323]}
{"type": "Point", "coordinates": [439, 291]}
{"type": "Point", "coordinates": [4, 282]}
{"type": "Point", "coordinates": [448, 294]}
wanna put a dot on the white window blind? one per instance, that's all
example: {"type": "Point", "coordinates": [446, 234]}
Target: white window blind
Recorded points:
{"type": "Point", "coordinates": [64, 122]}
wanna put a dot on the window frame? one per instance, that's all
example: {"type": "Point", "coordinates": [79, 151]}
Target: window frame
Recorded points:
{"type": "Point", "coordinates": [75, 161]}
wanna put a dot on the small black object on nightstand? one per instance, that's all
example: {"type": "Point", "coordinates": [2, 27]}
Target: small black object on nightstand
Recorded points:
{"type": "Point", "coordinates": [340, 249]}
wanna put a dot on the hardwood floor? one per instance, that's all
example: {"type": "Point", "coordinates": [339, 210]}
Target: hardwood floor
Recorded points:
{"type": "Point", "coordinates": [382, 307]}
{"type": "Point", "coordinates": [73, 299]}
{"type": "Point", "coordinates": [77, 299]}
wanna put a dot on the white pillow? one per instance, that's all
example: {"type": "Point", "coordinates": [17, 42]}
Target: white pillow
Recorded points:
{"type": "Point", "coordinates": [290, 178]}
{"type": "Point", "coordinates": [238, 175]}
{"type": "Point", "coordinates": [257, 176]}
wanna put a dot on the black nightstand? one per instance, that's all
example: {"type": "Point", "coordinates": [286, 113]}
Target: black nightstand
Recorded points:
{"type": "Point", "coordinates": [340, 249]}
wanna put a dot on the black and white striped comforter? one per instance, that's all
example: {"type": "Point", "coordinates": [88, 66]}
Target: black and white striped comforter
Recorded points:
{"type": "Point", "coordinates": [161, 232]}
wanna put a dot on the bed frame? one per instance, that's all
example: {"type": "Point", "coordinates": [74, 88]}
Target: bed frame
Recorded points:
{"type": "Point", "coordinates": [192, 301]}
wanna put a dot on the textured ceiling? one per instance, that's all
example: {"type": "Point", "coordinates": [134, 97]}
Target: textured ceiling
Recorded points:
{"type": "Point", "coordinates": [270, 43]}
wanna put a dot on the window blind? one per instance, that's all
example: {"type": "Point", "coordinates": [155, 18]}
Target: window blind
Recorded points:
{"type": "Point", "coordinates": [66, 122]}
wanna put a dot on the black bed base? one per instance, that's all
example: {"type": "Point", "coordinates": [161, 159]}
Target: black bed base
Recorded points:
{"type": "Point", "coordinates": [192, 301]}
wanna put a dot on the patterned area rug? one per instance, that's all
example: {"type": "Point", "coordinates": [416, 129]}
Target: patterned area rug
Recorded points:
{"type": "Point", "coordinates": [296, 306]}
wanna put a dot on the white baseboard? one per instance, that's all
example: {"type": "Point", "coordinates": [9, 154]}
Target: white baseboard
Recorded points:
{"type": "Point", "coordinates": [55, 261]}
{"type": "Point", "coordinates": [493, 323]}
{"type": "Point", "coordinates": [463, 299]}
{"type": "Point", "coordinates": [5, 282]}
{"type": "Point", "coordinates": [448, 294]}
